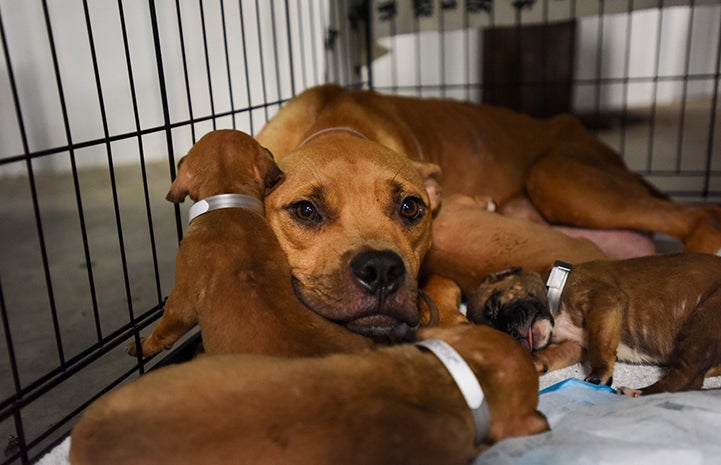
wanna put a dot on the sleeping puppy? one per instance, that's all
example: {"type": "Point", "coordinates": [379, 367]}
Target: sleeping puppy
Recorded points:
{"type": "Point", "coordinates": [395, 405]}
{"type": "Point", "coordinates": [663, 309]}
{"type": "Point", "coordinates": [231, 276]}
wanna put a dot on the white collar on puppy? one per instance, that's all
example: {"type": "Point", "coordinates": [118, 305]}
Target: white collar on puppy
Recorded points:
{"type": "Point", "coordinates": [465, 380]}
{"type": "Point", "coordinates": [556, 282]}
{"type": "Point", "coordinates": [217, 202]}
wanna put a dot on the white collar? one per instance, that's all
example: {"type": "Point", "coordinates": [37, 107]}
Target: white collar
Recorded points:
{"type": "Point", "coordinates": [555, 283]}
{"type": "Point", "coordinates": [465, 380]}
{"type": "Point", "coordinates": [216, 202]}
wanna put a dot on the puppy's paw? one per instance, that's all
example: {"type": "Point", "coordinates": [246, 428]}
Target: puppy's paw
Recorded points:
{"type": "Point", "coordinates": [132, 348]}
{"type": "Point", "coordinates": [599, 379]}
{"type": "Point", "coordinates": [629, 392]}
{"type": "Point", "coordinates": [541, 366]}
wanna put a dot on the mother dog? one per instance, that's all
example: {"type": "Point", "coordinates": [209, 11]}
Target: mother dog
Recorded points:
{"type": "Point", "coordinates": [352, 221]}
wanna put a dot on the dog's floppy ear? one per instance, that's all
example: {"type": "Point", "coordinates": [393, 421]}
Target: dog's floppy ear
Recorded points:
{"type": "Point", "coordinates": [431, 175]}
{"type": "Point", "coordinates": [180, 187]}
{"type": "Point", "coordinates": [273, 174]}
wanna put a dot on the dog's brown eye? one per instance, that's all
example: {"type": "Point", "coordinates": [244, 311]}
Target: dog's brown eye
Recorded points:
{"type": "Point", "coordinates": [305, 211]}
{"type": "Point", "coordinates": [412, 208]}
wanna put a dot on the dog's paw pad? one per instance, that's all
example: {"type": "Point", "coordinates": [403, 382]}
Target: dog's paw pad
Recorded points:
{"type": "Point", "coordinates": [629, 392]}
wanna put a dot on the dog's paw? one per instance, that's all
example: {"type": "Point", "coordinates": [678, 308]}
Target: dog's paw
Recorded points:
{"type": "Point", "coordinates": [132, 348]}
{"type": "Point", "coordinates": [596, 379]}
{"type": "Point", "coordinates": [541, 367]}
{"type": "Point", "coordinates": [629, 392]}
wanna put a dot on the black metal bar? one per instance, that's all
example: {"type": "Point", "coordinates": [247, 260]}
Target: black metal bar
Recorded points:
{"type": "Point", "coordinates": [245, 67]}
{"type": "Point", "coordinates": [186, 79]}
{"type": "Point", "coordinates": [712, 121]}
{"type": "Point", "coordinates": [290, 50]}
{"type": "Point", "coordinates": [369, 44]}
{"type": "Point", "coordinates": [599, 67]}
{"type": "Point", "coordinates": [314, 54]}
{"type": "Point", "coordinates": [684, 91]}
{"type": "Point", "coordinates": [74, 171]}
{"type": "Point", "coordinates": [227, 60]}
{"type": "Point", "coordinates": [207, 62]}
{"type": "Point", "coordinates": [274, 47]}
{"type": "Point", "coordinates": [144, 177]}
{"type": "Point", "coordinates": [262, 66]}
{"type": "Point", "coordinates": [136, 116]}
{"type": "Point", "coordinates": [104, 120]}
{"type": "Point", "coordinates": [167, 126]}
{"type": "Point", "coordinates": [654, 100]}
{"type": "Point", "coordinates": [626, 67]}
{"type": "Point", "coordinates": [303, 69]}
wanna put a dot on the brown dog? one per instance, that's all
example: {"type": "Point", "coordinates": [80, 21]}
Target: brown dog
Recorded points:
{"type": "Point", "coordinates": [663, 309]}
{"type": "Point", "coordinates": [395, 405]}
{"type": "Point", "coordinates": [231, 276]}
{"type": "Point", "coordinates": [354, 219]}
{"type": "Point", "coordinates": [568, 175]}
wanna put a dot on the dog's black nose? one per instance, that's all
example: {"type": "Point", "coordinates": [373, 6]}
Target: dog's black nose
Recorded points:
{"type": "Point", "coordinates": [378, 272]}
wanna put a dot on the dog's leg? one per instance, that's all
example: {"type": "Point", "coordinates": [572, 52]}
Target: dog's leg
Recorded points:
{"type": "Point", "coordinates": [697, 353]}
{"type": "Point", "coordinates": [171, 327]}
{"type": "Point", "coordinates": [605, 323]}
{"type": "Point", "coordinates": [446, 295]}
{"type": "Point", "coordinates": [567, 189]}
{"type": "Point", "coordinates": [557, 356]}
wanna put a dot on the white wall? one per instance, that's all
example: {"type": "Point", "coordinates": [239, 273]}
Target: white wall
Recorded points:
{"type": "Point", "coordinates": [268, 72]}
{"type": "Point", "coordinates": [622, 54]}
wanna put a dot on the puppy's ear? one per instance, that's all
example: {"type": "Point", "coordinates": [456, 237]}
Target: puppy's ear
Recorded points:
{"type": "Point", "coordinates": [431, 175]}
{"type": "Point", "coordinates": [180, 188]}
{"type": "Point", "coordinates": [269, 170]}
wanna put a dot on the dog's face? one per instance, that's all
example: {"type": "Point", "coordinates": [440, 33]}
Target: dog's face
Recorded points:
{"type": "Point", "coordinates": [354, 219]}
{"type": "Point", "coordinates": [516, 303]}
{"type": "Point", "coordinates": [221, 162]}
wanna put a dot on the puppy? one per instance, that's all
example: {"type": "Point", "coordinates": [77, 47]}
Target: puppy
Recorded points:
{"type": "Point", "coordinates": [394, 405]}
{"type": "Point", "coordinates": [231, 276]}
{"type": "Point", "coordinates": [663, 309]}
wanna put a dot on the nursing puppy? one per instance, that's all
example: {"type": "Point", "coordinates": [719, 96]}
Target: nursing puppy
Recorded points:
{"type": "Point", "coordinates": [396, 405]}
{"type": "Point", "coordinates": [231, 276]}
{"type": "Point", "coordinates": [663, 309]}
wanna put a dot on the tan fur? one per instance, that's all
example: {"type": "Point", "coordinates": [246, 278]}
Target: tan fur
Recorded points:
{"type": "Point", "coordinates": [396, 405]}
{"type": "Point", "coordinates": [663, 309]}
{"type": "Point", "coordinates": [231, 276]}
{"type": "Point", "coordinates": [569, 176]}
{"type": "Point", "coordinates": [357, 189]}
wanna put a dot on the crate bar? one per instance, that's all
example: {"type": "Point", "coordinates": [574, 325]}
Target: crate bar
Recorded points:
{"type": "Point", "coordinates": [262, 64]}
{"type": "Point", "coordinates": [109, 154]}
{"type": "Point", "coordinates": [167, 126]}
{"type": "Point", "coordinates": [207, 64]}
{"type": "Point", "coordinates": [245, 67]}
{"type": "Point", "coordinates": [626, 68]}
{"type": "Point", "coordinates": [184, 59]}
{"type": "Point", "coordinates": [654, 105]}
{"type": "Point", "coordinates": [227, 60]}
{"type": "Point", "coordinates": [712, 120]}
{"type": "Point", "coordinates": [144, 177]}
{"type": "Point", "coordinates": [684, 89]}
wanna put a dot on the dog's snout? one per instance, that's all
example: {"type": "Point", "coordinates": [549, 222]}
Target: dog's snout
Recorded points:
{"type": "Point", "coordinates": [379, 272]}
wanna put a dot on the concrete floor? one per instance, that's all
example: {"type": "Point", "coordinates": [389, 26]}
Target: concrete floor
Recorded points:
{"type": "Point", "coordinates": [25, 292]}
